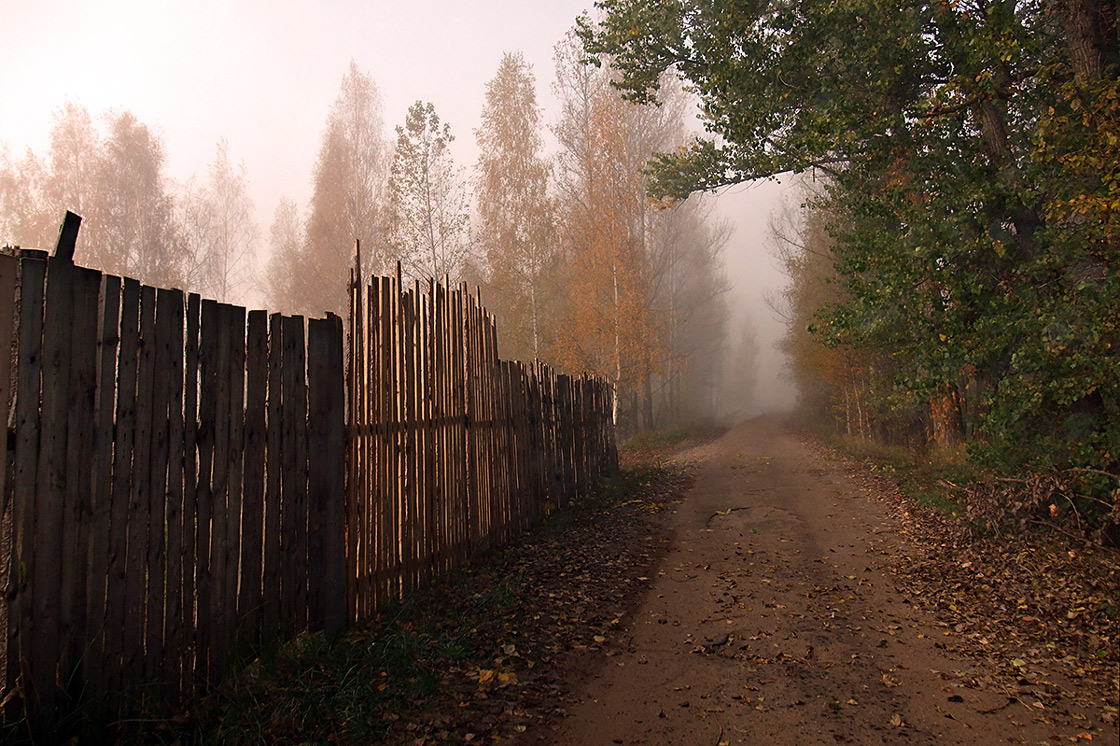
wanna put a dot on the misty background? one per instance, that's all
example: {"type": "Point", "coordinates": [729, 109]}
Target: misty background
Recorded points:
{"type": "Point", "coordinates": [262, 76]}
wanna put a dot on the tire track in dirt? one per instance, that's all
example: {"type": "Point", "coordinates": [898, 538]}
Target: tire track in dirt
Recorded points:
{"type": "Point", "coordinates": [774, 618]}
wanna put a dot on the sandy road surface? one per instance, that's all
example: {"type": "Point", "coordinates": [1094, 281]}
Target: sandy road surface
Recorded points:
{"type": "Point", "coordinates": [774, 619]}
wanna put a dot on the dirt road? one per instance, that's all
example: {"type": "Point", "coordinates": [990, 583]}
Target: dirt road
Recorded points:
{"type": "Point", "coordinates": [774, 619]}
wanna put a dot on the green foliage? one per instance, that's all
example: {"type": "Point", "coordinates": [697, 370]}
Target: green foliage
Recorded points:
{"type": "Point", "coordinates": [786, 85]}
{"type": "Point", "coordinates": [927, 476]}
{"type": "Point", "coordinates": [973, 199]}
{"type": "Point", "coordinates": [657, 439]}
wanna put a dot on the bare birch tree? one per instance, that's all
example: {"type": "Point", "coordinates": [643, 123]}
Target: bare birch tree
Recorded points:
{"type": "Point", "coordinates": [283, 282]}
{"type": "Point", "coordinates": [219, 229]}
{"type": "Point", "coordinates": [428, 198]}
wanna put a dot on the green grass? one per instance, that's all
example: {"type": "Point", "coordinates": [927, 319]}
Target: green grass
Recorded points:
{"type": "Point", "coordinates": [658, 439]}
{"type": "Point", "coordinates": [661, 445]}
{"type": "Point", "coordinates": [926, 477]}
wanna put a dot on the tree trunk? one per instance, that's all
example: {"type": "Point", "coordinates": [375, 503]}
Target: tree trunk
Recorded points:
{"type": "Point", "coordinates": [1090, 30]}
{"type": "Point", "coordinates": [647, 396]}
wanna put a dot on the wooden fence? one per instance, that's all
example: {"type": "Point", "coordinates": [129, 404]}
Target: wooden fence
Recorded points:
{"type": "Point", "coordinates": [181, 485]}
{"type": "Point", "coordinates": [452, 450]}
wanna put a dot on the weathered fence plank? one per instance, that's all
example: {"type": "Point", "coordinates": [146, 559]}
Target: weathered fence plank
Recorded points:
{"type": "Point", "coordinates": [9, 276]}
{"type": "Point", "coordinates": [9, 282]}
{"type": "Point", "coordinates": [49, 651]}
{"type": "Point", "coordinates": [385, 491]}
{"type": "Point", "coordinates": [28, 425]}
{"type": "Point", "coordinates": [116, 605]}
{"type": "Point", "coordinates": [220, 618]}
{"type": "Point", "coordinates": [139, 507]}
{"type": "Point", "coordinates": [273, 555]}
{"type": "Point", "coordinates": [250, 599]}
{"type": "Point", "coordinates": [356, 469]}
{"type": "Point", "coordinates": [326, 472]}
{"type": "Point", "coordinates": [206, 515]}
{"type": "Point", "coordinates": [293, 478]}
{"type": "Point", "coordinates": [236, 464]}
{"type": "Point", "coordinates": [79, 404]}
{"type": "Point", "coordinates": [179, 527]}
{"type": "Point", "coordinates": [163, 341]}
{"type": "Point", "coordinates": [101, 491]}
{"type": "Point", "coordinates": [192, 522]}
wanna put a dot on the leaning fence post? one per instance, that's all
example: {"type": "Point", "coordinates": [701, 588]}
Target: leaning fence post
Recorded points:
{"type": "Point", "coordinates": [67, 237]}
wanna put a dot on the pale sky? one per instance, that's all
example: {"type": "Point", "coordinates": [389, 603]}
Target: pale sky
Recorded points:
{"type": "Point", "coordinates": [263, 75]}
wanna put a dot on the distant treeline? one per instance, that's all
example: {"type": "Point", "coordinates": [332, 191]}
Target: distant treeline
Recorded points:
{"type": "Point", "coordinates": [580, 267]}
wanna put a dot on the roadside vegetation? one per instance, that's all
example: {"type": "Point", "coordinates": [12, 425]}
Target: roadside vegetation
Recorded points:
{"type": "Point", "coordinates": [1041, 602]}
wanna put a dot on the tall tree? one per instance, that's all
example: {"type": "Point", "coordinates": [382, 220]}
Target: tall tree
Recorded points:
{"type": "Point", "coordinates": [427, 198]}
{"type": "Point", "coordinates": [131, 227]}
{"type": "Point", "coordinates": [608, 322]}
{"type": "Point", "coordinates": [617, 245]}
{"type": "Point", "coordinates": [25, 214]}
{"type": "Point", "coordinates": [72, 160]}
{"type": "Point", "coordinates": [283, 281]}
{"type": "Point", "coordinates": [35, 193]}
{"type": "Point", "coordinates": [349, 201]}
{"type": "Point", "coordinates": [219, 229]}
{"type": "Point", "coordinates": [514, 207]}
{"type": "Point", "coordinates": [689, 289]}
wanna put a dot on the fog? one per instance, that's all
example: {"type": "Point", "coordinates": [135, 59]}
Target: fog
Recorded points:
{"type": "Point", "coordinates": [755, 281]}
{"type": "Point", "coordinates": [262, 76]}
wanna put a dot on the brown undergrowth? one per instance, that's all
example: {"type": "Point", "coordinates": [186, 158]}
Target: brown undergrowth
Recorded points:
{"type": "Point", "coordinates": [1041, 605]}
